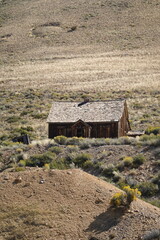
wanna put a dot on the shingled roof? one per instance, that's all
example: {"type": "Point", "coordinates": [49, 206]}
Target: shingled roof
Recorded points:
{"type": "Point", "coordinates": [106, 111]}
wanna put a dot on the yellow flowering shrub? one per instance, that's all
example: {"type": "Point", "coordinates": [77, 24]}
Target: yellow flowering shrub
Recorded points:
{"type": "Point", "coordinates": [125, 198]}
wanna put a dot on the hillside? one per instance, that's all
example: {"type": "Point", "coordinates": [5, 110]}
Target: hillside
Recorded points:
{"type": "Point", "coordinates": [42, 30]}
{"type": "Point", "coordinates": [68, 204]}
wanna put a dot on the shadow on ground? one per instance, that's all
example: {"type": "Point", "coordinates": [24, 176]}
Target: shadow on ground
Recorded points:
{"type": "Point", "coordinates": [106, 220]}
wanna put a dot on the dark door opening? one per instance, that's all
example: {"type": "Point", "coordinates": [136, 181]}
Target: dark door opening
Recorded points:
{"type": "Point", "coordinates": [80, 131]}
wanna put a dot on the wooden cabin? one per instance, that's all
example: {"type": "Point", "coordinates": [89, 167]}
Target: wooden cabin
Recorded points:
{"type": "Point", "coordinates": [89, 119]}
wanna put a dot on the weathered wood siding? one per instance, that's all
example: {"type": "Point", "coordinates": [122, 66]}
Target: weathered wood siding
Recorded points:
{"type": "Point", "coordinates": [124, 125]}
{"type": "Point", "coordinates": [98, 130]}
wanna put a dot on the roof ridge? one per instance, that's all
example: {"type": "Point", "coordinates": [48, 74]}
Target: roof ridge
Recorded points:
{"type": "Point", "coordinates": [114, 100]}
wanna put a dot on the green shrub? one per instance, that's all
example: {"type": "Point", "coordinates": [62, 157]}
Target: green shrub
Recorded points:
{"type": "Point", "coordinates": [126, 140]}
{"type": "Point", "coordinates": [129, 180]}
{"type": "Point", "coordinates": [97, 165]}
{"type": "Point", "coordinates": [60, 140]}
{"type": "Point", "coordinates": [55, 149]}
{"type": "Point", "coordinates": [88, 164]}
{"type": "Point", "coordinates": [99, 142]}
{"type": "Point", "coordinates": [138, 160]}
{"type": "Point", "coordinates": [154, 130]}
{"type": "Point", "coordinates": [116, 176]}
{"type": "Point", "coordinates": [80, 159]}
{"type": "Point", "coordinates": [156, 180]}
{"type": "Point", "coordinates": [74, 141]}
{"type": "Point", "coordinates": [148, 189]}
{"type": "Point", "coordinates": [69, 158]}
{"type": "Point", "coordinates": [72, 148]}
{"type": "Point", "coordinates": [108, 171]}
{"type": "Point", "coordinates": [150, 140]}
{"type": "Point", "coordinates": [120, 166]}
{"type": "Point", "coordinates": [19, 169]}
{"type": "Point", "coordinates": [84, 145]}
{"type": "Point", "coordinates": [128, 161]}
{"type": "Point", "coordinates": [137, 105]}
{"type": "Point", "coordinates": [4, 137]}
{"type": "Point", "coordinates": [19, 150]}
{"type": "Point", "coordinates": [59, 164]}
{"type": "Point", "coordinates": [13, 119]}
{"type": "Point", "coordinates": [104, 154]}
{"type": "Point", "coordinates": [47, 166]}
{"type": "Point", "coordinates": [16, 157]}
{"type": "Point", "coordinates": [39, 116]}
{"type": "Point", "coordinates": [156, 142]}
{"type": "Point", "coordinates": [22, 163]}
{"type": "Point", "coordinates": [121, 183]}
{"type": "Point", "coordinates": [40, 159]}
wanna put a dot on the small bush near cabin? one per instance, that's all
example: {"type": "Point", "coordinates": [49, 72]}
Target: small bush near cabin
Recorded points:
{"type": "Point", "coordinates": [60, 140]}
{"type": "Point", "coordinates": [72, 148]}
{"type": "Point", "coordinates": [55, 149]}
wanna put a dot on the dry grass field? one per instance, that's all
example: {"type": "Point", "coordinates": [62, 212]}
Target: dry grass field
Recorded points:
{"type": "Point", "coordinates": [112, 71]}
{"type": "Point", "coordinates": [66, 50]}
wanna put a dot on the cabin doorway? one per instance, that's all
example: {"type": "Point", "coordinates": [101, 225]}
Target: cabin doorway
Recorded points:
{"type": "Point", "coordinates": [81, 129]}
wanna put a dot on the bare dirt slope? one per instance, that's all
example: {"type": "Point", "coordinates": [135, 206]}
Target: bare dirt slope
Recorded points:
{"type": "Point", "coordinates": [70, 205]}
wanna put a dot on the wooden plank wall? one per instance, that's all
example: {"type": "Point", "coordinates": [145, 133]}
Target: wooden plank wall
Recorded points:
{"type": "Point", "coordinates": [98, 130]}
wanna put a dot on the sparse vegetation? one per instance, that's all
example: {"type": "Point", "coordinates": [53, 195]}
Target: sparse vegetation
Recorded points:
{"type": "Point", "coordinates": [148, 189]}
{"type": "Point", "coordinates": [154, 130]}
{"type": "Point", "coordinates": [40, 159]}
{"type": "Point", "coordinates": [128, 161]}
{"type": "Point", "coordinates": [138, 160]}
{"type": "Point", "coordinates": [55, 149]}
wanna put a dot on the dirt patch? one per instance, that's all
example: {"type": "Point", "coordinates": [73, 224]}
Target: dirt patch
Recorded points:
{"type": "Point", "coordinates": [47, 29]}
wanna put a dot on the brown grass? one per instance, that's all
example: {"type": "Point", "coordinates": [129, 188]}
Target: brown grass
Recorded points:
{"type": "Point", "coordinates": [113, 52]}
{"type": "Point", "coordinates": [137, 70]}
